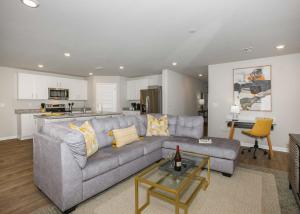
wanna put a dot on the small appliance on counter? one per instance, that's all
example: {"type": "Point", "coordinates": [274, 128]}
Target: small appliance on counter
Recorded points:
{"type": "Point", "coordinates": [43, 107]}
{"type": "Point", "coordinates": [135, 107]}
{"type": "Point", "coordinates": [70, 107]}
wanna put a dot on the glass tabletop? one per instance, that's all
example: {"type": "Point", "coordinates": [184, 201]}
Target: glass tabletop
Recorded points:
{"type": "Point", "coordinates": [159, 176]}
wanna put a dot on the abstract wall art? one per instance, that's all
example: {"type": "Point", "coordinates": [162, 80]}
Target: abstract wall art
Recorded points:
{"type": "Point", "coordinates": [252, 88]}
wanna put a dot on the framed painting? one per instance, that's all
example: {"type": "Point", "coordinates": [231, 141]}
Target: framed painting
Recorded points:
{"type": "Point", "coordinates": [252, 88]}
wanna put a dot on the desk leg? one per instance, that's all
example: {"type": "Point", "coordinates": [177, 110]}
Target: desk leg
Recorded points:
{"type": "Point", "coordinates": [231, 133]}
{"type": "Point", "coordinates": [270, 147]}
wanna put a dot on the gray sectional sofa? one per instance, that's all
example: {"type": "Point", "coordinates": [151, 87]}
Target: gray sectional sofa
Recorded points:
{"type": "Point", "coordinates": [67, 177]}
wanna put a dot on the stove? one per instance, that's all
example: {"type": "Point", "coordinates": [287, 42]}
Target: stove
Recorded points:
{"type": "Point", "coordinates": [55, 108]}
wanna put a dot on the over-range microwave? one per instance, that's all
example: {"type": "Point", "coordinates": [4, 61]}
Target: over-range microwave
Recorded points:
{"type": "Point", "coordinates": [58, 94]}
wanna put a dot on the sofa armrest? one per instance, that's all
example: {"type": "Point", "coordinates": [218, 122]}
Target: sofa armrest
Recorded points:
{"type": "Point", "coordinates": [56, 172]}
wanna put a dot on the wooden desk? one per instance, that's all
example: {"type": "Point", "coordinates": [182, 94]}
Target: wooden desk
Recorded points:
{"type": "Point", "coordinates": [247, 124]}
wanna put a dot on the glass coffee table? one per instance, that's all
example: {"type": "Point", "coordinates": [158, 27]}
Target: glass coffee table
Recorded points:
{"type": "Point", "coordinates": [177, 188]}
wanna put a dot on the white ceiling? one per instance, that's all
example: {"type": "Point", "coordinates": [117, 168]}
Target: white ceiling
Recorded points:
{"type": "Point", "coordinates": [145, 36]}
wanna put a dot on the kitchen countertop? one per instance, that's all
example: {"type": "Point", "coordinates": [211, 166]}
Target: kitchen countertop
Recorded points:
{"type": "Point", "coordinates": [74, 115]}
{"type": "Point", "coordinates": [38, 111]}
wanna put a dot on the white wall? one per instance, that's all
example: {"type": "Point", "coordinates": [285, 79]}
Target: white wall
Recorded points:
{"type": "Point", "coordinates": [180, 93]}
{"type": "Point", "coordinates": [285, 98]}
{"type": "Point", "coordinates": [121, 90]}
{"type": "Point", "coordinates": [9, 101]}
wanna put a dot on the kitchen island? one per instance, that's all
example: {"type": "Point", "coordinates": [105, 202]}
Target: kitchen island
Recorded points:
{"type": "Point", "coordinates": [61, 116]}
{"type": "Point", "coordinates": [46, 118]}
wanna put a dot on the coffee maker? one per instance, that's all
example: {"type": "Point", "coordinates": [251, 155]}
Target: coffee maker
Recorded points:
{"type": "Point", "coordinates": [135, 106]}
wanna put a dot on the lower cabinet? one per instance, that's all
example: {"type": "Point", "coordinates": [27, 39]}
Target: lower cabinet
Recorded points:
{"type": "Point", "coordinates": [26, 126]}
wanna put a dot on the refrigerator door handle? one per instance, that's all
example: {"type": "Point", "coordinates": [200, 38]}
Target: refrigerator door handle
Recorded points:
{"type": "Point", "coordinates": [147, 104]}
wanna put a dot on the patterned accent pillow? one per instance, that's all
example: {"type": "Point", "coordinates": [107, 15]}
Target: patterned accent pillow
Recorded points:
{"type": "Point", "coordinates": [89, 136]}
{"type": "Point", "coordinates": [114, 144]}
{"type": "Point", "coordinates": [124, 136]}
{"type": "Point", "coordinates": [157, 127]}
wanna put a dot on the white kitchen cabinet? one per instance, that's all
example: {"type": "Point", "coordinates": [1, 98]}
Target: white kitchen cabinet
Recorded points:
{"type": "Point", "coordinates": [26, 126]}
{"type": "Point", "coordinates": [134, 87]}
{"type": "Point", "coordinates": [131, 95]}
{"type": "Point", "coordinates": [26, 86]}
{"type": "Point", "coordinates": [34, 86]}
{"type": "Point", "coordinates": [77, 89]}
{"type": "Point", "coordinates": [41, 89]}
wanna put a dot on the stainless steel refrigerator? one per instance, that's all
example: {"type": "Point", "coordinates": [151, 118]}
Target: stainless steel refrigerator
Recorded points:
{"type": "Point", "coordinates": [151, 100]}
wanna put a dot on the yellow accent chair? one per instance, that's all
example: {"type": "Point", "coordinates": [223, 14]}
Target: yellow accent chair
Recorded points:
{"type": "Point", "coordinates": [261, 129]}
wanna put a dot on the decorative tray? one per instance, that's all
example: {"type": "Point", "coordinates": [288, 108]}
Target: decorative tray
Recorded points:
{"type": "Point", "coordinates": [186, 164]}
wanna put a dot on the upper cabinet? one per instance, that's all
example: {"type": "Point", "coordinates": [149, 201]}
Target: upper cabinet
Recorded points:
{"type": "Point", "coordinates": [33, 86]}
{"type": "Point", "coordinates": [134, 86]}
{"type": "Point", "coordinates": [77, 89]}
{"type": "Point", "coordinates": [26, 86]}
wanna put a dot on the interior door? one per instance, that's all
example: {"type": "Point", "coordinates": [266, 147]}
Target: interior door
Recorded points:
{"type": "Point", "coordinates": [106, 97]}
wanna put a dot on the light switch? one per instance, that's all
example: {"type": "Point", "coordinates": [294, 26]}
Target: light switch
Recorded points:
{"type": "Point", "coordinates": [2, 105]}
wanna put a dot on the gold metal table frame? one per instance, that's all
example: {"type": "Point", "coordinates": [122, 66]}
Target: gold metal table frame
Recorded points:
{"type": "Point", "coordinates": [189, 178]}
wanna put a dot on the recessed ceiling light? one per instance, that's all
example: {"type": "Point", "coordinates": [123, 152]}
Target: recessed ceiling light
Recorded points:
{"type": "Point", "coordinates": [40, 66]}
{"type": "Point", "coordinates": [174, 63]}
{"type": "Point", "coordinates": [67, 54]}
{"type": "Point", "coordinates": [122, 67]}
{"type": "Point", "coordinates": [192, 30]}
{"type": "Point", "coordinates": [90, 74]}
{"type": "Point", "coordinates": [280, 47]}
{"type": "Point", "coordinates": [200, 75]}
{"type": "Point", "coordinates": [248, 49]}
{"type": "Point", "coordinates": [31, 3]}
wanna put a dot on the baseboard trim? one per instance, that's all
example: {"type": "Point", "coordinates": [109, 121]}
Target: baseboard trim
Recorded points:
{"type": "Point", "coordinates": [8, 138]}
{"type": "Point", "coordinates": [275, 148]}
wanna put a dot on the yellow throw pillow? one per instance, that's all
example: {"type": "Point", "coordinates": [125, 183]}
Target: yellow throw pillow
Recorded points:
{"type": "Point", "coordinates": [89, 136]}
{"type": "Point", "coordinates": [124, 136]}
{"type": "Point", "coordinates": [157, 127]}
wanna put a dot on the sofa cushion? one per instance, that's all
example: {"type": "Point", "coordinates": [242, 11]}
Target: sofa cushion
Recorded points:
{"type": "Point", "coordinates": [127, 153]}
{"type": "Point", "coordinates": [98, 164]}
{"type": "Point", "coordinates": [129, 120]}
{"type": "Point", "coordinates": [219, 148]}
{"type": "Point", "coordinates": [142, 122]}
{"type": "Point", "coordinates": [102, 126]}
{"type": "Point", "coordinates": [172, 124]}
{"type": "Point", "coordinates": [153, 143]}
{"type": "Point", "coordinates": [191, 126]}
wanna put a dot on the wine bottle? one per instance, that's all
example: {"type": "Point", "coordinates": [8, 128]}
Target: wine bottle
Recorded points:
{"type": "Point", "coordinates": [177, 160]}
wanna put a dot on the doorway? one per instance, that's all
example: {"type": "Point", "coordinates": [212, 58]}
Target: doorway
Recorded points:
{"type": "Point", "coordinates": [106, 97]}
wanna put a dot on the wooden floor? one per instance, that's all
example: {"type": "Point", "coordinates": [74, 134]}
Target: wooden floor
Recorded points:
{"type": "Point", "coordinates": [19, 195]}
